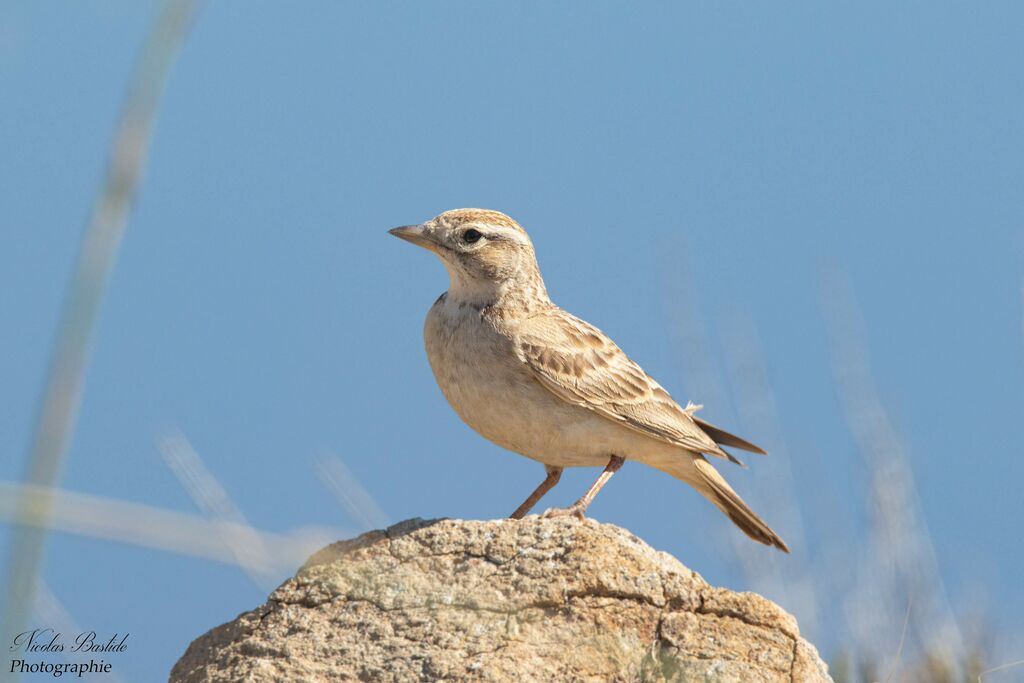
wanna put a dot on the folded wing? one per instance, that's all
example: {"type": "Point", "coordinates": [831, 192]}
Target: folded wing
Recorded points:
{"type": "Point", "coordinates": [581, 365]}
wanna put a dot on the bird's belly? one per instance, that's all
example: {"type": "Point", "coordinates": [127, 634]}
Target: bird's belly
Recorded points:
{"type": "Point", "coordinates": [498, 397]}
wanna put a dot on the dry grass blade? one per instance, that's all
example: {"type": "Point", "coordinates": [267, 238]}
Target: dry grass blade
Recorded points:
{"type": "Point", "coordinates": [150, 527]}
{"type": "Point", "coordinates": [903, 641]}
{"type": "Point", "coordinates": [342, 484]}
{"type": "Point", "coordinates": [784, 578]}
{"type": "Point", "coordinates": [63, 389]}
{"type": "Point", "coordinates": [900, 558]}
{"type": "Point", "coordinates": [1019, 662]}
{"type": "Point", "coordinates": [213, 501]}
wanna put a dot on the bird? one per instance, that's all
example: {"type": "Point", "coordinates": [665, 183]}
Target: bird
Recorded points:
{"type": "Point", "coordinates": [538, 381]}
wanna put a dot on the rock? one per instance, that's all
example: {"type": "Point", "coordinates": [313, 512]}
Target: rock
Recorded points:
{"type": "Point", "coordinates": [535, 600]}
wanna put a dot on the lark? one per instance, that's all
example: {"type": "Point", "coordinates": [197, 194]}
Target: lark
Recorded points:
{"type": "Point", "coordinates": [542, 383]}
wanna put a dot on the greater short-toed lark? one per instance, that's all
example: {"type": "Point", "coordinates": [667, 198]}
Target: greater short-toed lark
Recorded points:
{"type": "Point", "coordinates": [542, 383]}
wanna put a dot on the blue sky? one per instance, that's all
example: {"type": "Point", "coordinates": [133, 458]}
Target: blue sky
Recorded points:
{"type": "Point", "coordinates": [693, 177]}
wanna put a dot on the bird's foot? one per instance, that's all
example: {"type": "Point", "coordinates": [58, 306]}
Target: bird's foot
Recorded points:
{"type": "Point", "coordinates": [578, 511]}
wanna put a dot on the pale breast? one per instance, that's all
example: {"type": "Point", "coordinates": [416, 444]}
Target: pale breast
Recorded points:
{"type": "Point", "coordinates": [493, 392]}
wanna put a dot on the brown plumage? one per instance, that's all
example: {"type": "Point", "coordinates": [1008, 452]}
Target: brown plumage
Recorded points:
{"type": "Point", "coordinates": [539, 381]}
{"type": "Point", "coordinates": [580, 364]}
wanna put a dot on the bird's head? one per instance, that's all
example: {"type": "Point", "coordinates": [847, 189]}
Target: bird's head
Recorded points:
{"type": "Point", "coordinates": [487, 254]}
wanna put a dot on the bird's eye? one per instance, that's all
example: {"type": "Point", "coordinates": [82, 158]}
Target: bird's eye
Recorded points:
{"type": "Point", "coordinates": [471, 236]}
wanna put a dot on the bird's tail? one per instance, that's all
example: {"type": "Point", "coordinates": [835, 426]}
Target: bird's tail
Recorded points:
{"type": "Point", "coordinates": [700, 474]}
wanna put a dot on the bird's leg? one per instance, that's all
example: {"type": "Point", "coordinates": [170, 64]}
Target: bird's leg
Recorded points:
{"type": "Point", "coordinates": [554, 474]}
{"type": "Point", "coordinates": [578, 508]}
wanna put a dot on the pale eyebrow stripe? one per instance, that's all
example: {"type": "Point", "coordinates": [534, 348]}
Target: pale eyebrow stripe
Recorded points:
{"type": "Point", "coordinates": [503, 232]}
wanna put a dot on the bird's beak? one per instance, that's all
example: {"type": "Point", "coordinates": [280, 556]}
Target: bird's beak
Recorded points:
{"type": "Point", "coordinates": [414, 233]}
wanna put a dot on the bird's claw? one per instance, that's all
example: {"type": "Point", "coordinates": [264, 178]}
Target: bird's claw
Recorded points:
{"type": "Point", "coordinates": [576, 511]}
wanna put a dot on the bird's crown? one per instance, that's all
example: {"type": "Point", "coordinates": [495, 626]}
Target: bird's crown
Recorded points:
{"type": "Point", "coordinates": [458, 217]}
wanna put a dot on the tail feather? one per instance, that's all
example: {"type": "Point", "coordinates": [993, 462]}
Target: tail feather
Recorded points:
{"type": "Point", "coordinates": [701, 475]}
{"type": "Point", "coordinates": [717, 490]}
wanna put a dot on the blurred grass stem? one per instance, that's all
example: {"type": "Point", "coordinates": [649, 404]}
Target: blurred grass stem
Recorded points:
{"type": "Point", "coordinates": [62, 393]}
{"type": "Point", "coordinates": [146, 526]}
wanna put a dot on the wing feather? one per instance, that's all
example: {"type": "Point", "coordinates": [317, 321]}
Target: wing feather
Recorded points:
{"type": "Point", "coordinates": [724, 438]}
{"type": "Point", "coordinates": [581, 365]}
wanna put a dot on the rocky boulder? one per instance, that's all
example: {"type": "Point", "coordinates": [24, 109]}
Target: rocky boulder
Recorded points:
{"type": "Point", "coordinates": [534, 600]}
